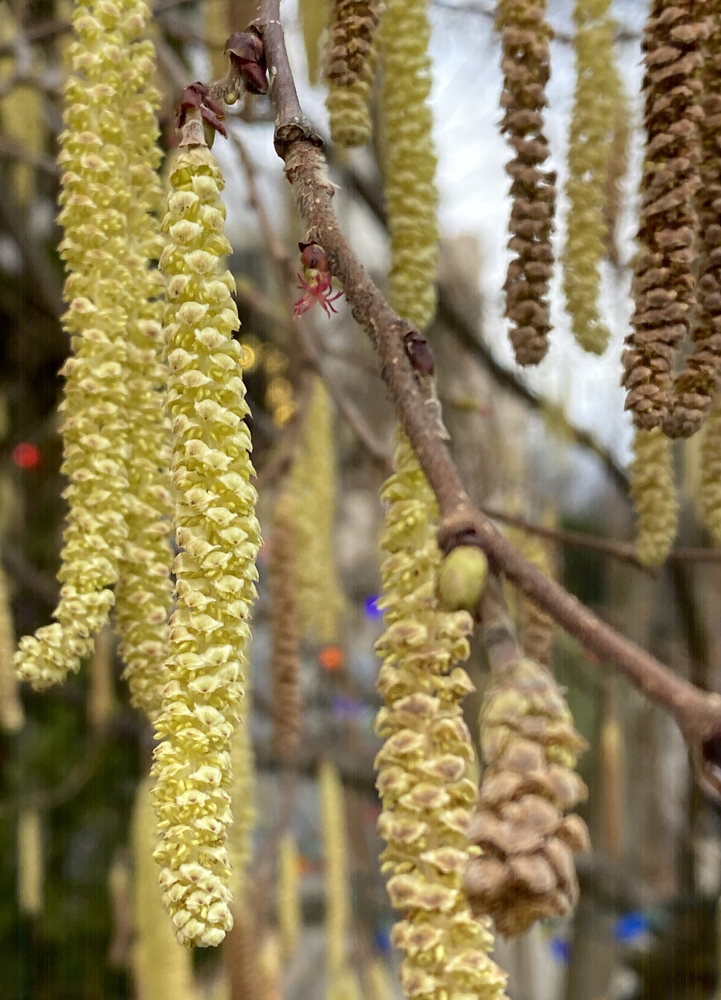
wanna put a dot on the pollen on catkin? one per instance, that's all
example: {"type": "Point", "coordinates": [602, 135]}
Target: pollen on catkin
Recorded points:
{"type": "Point", "coordinates": [285, 631]}
{"type": "Point", "coordinates": [410, 169]}
{"type": "Point", "coordinates": [426, 795]}
{"type": "Point", "coordinates": [525, 37]}
{"type": "Point", "coordinates": [709, 496]}
{"type": "Point", "coordinates": [105, 99]}
{"type": "Point", "coordinates": [313, 487]}
{"type": "Point", "coordinates": [654, 495]}
{"type": "Point", "coordinates": [588, 158]}
{"type": "Point", "coordinates": [695, 386]}
{"type": "Point", "coordinates": [664, 282]}
{"type": "Point", "coordinates": [219, 535]}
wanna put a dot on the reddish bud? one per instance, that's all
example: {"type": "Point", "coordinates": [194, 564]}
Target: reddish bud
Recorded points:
{"type": "Point", "coordinates": [313, 257]}
{"type": "Point", "coordinates": [419, 353]}
{"type": "Point", "coordinates": [247, 53]}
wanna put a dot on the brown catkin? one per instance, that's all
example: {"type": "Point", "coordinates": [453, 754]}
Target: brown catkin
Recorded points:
{"type": "Point", "coordinates": [530, 746]}
{"type": "Point", "coordinates": [709, 495]}
{"type": "Point", "coordinates": [695, 387]}
{"type": "Point", "coordinates": [285, 631]}
{"type": "Point", "coordinates": [664, 283]}
{"type": "Point", "coordinates": [525, 37]}
{"type": "Point", "coordinates": [654, 496]}
{"type": "Point", "coordinates": [352, 25]}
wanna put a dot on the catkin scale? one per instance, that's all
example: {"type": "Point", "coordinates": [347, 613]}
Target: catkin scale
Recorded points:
{"type": "Point", "coordinates": [411, 194]}
{"type": "Point", "coordinates": [425, 792]}
{"type": "Point", "coordinates": [219, 534]}
{"type": "Point", "coordinates": [525, 37]}
{"type": "Point", "coordinates": [664, 282]}
{"type": "Point", "coordinates": [654, 496]}
{"type": "Point", "coordinates": [588, 156]}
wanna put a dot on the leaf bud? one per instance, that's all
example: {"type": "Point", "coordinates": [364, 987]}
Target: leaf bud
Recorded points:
{"type": "Point", "coordinates": [461, 578]}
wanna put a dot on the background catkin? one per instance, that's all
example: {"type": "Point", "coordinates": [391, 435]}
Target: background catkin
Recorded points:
{"type": "Point", "coordinates": [695, 386]}
{"type": "Point", "coordinates": [31, 869]}
{"type": "Point", "coordinates": [242, 804]}
{"type": "Point", "coordinates": [352, 23]}
{"type": "Point", "coordinates": [12, 716]}
{"type": "Point", "coordinates": [285, 631]}
{"type": "Point", "coordinates": [161, 968]}
{"type": "Point", "coordinates": [525, 37]}
{"type": "Point", "coordinates": [313, 487]}
{"type": "Point", "coordinates": [536, 627]}
{"type": "Point", "coordinates": [709, 494]}
{"type": "Point", "coordinates": [410, 167]}
{"type": "Point", "coordinates": [426, 794]}
{"type": "Point", "coordinates": [290, 916]}
{"type": "Point", "coordinates": [588, 159]}
{"type": "Point", "coordinates": [617, 166]}
{"type": "Point", "coordinates": [314, 19]}
{"type": "Point", "coordinates": [219, 534]}
{"type": "Point", "coordinates": [664, 282]}
{"type": "Point", "coordinates": [101, 696]}
{"type": "Point", "coordinates": [653, 493]}
{"type": "Point", "coordinates": [530, 746]}
{"type": "Point", "coordinates": [105, 132]}
{"type": "Point", "coordinates": [337, 895]}
{"type": "Point", "coordinates": [348, 107]}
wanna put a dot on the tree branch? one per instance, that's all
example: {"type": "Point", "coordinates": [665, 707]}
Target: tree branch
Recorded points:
{"type": "Point", "coordinates": [697, 713]}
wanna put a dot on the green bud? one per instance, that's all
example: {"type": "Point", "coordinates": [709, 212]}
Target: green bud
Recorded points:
{"type": "Point", "coordinates": [461, 578]}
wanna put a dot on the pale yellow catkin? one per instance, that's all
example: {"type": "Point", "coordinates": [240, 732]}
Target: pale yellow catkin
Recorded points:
{"type": "Point", "coordinates": [653, 492]}
{"type": "Point", "coordinates": [290, 916]}
{"type": "Point", "coordinates": [592, 125]}
{"type": "Point", "coordinates": [411, 193]}
{"type": "Point", "coordinates": [31, 869]}
{"type": "Point", "coordinates": [337, 909]}
{"type": "Point", "coordinates": [709, 494]}
{"type": "Point", "coordinates": [314, 19]}
{"type": "Point", "coordinates": [22, 117]}
{"type": "Point", "coordinates": [162, 968]}
{"type": "Point", "coordinates": [313, 487]}
{"type": "Point", "coordinates": [12, 716]}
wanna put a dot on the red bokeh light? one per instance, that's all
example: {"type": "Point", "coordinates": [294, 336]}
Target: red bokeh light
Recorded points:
{"type": "Point", "coordinates": [27, 455]}
{"type": "Point", "coordinates": [331, 658]}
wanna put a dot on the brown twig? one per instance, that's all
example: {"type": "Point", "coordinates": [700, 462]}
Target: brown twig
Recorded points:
{"type": "Point", "coordinates": [697, 713]}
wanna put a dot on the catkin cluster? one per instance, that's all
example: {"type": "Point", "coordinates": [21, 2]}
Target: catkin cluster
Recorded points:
{"type": "Point", "coordinates": [588, 157]}
{"type": "Point", "coordinates": [107, 157]}
{"type": "Point", "coordinates": [654, 495]}
{"type": "Point", "coordinates": [695, 386]}
{"type": "Point", "coordinates": [218, 532]}
{"type": "Point", "coordinates": [525, 63]}
{"type": "Point", "coordinates": [285, 631]}
{"type": "Point", "coordinates": [426, 795]}
{"type": "Point", "coordinates": [664, 282]}
{"type": "Point", "coordinates": [411, 160]}
{"type": "Point", "coordinates": [530, 746]}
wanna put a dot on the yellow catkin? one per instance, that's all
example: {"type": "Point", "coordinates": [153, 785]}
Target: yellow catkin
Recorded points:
{"type": "Point", "coordinates": [242, 804]}
{"type": "Point", "coordinates": [411, 192]}
{"type": "Point", "coordinates": [654, 496]}
{"type": "Point", "coordinates": [588, 157]}
{"type": "Point", "coordinates": [11, 707]}
{"type": "Point", "coordinates": [30, 862]}
{"type": "Point", "coordinates": [290, 917]}
{"type": "Point", "coordinates": [313, 486]}
{"type": "Point", "coordinates": [162, 968]}
{"type": "Point", "coordinates": [219, 535]}
{"type": "Point", "coordinates": [348, 111]}
{"type": "Point", "coordinates": [21, 112]}
{"type": "Point", "coordinates": [426, 794]}
{"type": "Point", "coordinates": [337, 910]}
{"type": "Point", "coordinates": [313, 19]}
{"type": "Point", "coordinates": [101, 697]}
{"type": "Point", "coordinates": [106, 137]}
{"type": "Point", "coordinates": [709, 495]}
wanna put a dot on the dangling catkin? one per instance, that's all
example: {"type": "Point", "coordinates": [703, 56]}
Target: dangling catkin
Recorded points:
{"type": "Point", "coordinates": [588, 159]}
{"type": "Point", "coordinates": [664, 282]}
{"type": "Point", "coordinates": [426, 795]}
{"type": "Point", "coordinates": [411, 192]}
{"type": "Point", "coordinates": [337, 910]}
{"type": "Point", "coordinates": [654, 496]}
{"type": "Point", "coordinates": [525, 36]}
{"type": "Point", "coordinates": [285, 631]}
{"type": "Point", "coordinates": [217, 30]}
{"type": "Point", "coordinates": [290, 917]}
{"type": "Point", "coordinates": [350, 65]}
{"type": "Point", "coordinates": [709, 497]}
{"type": "Point", "coordinates": [242, 804]}
{"type": "Point", "coordinates": [537, 627]}
{"type": "Point", "coordinates": [695, 387]}
{"type": "Point", "coordinates": [21, 110]}
{"type": "Point", "coordinates": [162, 968]}
{"type": "Point", "coordinates": [107, 154]}
{"type": "Point", "coordinates": [12, 716]}
{"type": "Point", "coordinates": [220, 537]}
{"type": "Point", "coordinates": [313, 487]}
{"type": "Point", "coordinates": [348, 112]}
{"type": "Point", "coordinates": [31, 869]}
{"type": "Point", "coordinates": [617, 166]}
{"type": "Point", "coordinates": [101, 697]}
{"type": "Point", "coordinates": [313, 18]}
